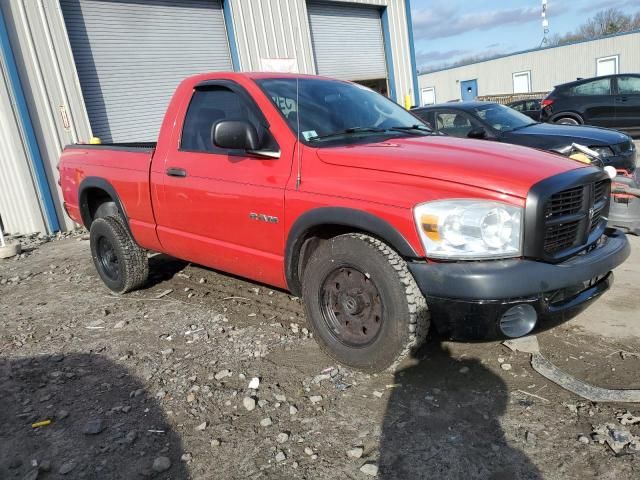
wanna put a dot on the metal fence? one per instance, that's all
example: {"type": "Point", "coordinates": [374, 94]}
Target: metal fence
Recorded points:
{"type": "Point", "coordinates": [512, 97]}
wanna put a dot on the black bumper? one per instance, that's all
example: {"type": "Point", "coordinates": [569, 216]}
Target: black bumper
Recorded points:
{"type": "Point", "coordinates": [467, 299]}
{"type": "Point", "coordinates": [623, 161]}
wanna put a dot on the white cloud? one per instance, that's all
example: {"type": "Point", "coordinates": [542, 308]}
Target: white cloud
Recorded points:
{"type": "Point", "coordinates": [441, 21]}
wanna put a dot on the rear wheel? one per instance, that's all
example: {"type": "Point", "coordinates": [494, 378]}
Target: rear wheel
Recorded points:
{"type": "Point", "coordinates": [121, 263]}
{"type": "Point", "coordinates": [362, 303]}
{"type": "Point", "coordinates": [567, 121]}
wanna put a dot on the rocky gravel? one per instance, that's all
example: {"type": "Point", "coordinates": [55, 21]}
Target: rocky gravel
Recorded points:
{"type": "Point", "coordinates": [201, 375]}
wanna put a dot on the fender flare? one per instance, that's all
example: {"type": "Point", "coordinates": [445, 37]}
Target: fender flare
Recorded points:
{"type": "Point", "coordinates": [83, 201]}
{"type": "Point", "coordinates": [346, 217]}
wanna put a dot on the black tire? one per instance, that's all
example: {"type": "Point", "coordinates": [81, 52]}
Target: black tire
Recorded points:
{"type": "Point", "coordinates": [121, 263]}
{"type": "Point", "coordinates": [379, 298]}
{"type": "Point", "coordinates": [567, 121]}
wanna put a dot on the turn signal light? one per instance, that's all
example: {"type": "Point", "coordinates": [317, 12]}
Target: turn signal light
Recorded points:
{"type": "Point", "coordinates": [429, 224]}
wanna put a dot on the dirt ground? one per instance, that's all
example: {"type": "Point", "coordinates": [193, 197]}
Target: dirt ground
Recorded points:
{"type": "Point", "coordinates": [155, 384]}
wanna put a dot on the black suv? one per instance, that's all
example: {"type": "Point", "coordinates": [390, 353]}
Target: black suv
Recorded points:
{"type": "Point", "coordinates": [611, 101]}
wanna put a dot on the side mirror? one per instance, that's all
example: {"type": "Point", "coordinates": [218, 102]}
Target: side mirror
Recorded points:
{"type": "Point", "coordinates": [235, 135]}
{"type": "Point", "coordinates": [478, 133]}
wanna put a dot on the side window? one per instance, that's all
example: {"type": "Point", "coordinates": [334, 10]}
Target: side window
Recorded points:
{"type": "Point", "coordinates": [426, 116]}
{"type": "Point", "coordinates": [629, 85]}
{"type": "Point", "coordinates": [209, 106]}
{"type": "Point", "coordinates": [533, 105]}
{"type": "Point", "coordinates": [455, 124]}
{"type": "Point", "coordinates": [596, 87]}
{"type": "Point", "coordinates": [518, 106]}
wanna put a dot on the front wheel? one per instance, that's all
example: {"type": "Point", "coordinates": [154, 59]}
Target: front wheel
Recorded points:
{"type": "Point", "coordinates": [567, 121]}
{"type": "Point", "coordinates": [362, 303]}
{"type": "Point", "coordinates": [120, 262]}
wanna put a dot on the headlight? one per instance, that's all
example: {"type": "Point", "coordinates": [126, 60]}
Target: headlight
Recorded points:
{"type": "Point", "coordinates": [604, 152]}
{"type": "Point", "coordinates": [469, 229]}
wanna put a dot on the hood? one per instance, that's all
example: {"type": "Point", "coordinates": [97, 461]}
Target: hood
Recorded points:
{"type": "Point", "coordinates": [498, 167]}
{"type": "Point", "coordinates": [586, 135]}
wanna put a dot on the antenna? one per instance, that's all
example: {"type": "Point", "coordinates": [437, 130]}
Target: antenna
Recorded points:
{"type": "Point", "coordinates": [298, 146]}
{"type": "Point", "coordinates": [545, 24]}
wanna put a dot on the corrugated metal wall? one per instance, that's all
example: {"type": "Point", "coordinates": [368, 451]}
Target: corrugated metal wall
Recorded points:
{"type": "Point", "coordinates": [280, 29]}
{"type": "Point", "coordinates": [47, 71]}
{"type": "Point", "coordinates": [19, 206]}
{"type": "Point", "coordinates": [549, 67]}
{"type": "Point", "coordinates": [263, 29]}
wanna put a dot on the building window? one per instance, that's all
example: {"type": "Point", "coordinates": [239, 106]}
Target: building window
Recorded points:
{"type": "Point", "coordinates": [607, 65]}
{"type": "Point", "coordinates": [428, 96]}
{"type": "Point", "coordinates": [522, 82]}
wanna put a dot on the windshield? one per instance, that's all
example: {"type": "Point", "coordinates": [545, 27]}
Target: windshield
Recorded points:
{"type": "Point", "coordinates": [335, 112]}
{"type": "Point", "coordinates": [502, 118]}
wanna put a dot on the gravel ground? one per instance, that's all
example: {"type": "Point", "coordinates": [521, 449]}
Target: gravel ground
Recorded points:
{"type": "Point", "coordinates": [161, 383]}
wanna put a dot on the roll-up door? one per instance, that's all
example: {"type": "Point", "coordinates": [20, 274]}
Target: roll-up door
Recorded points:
{"type": "Point", "coordinates": [131, 54]}
{"type": "Point", "coordinates": [347, 41]}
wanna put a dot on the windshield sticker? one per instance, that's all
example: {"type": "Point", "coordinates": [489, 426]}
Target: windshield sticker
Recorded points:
{"type": "Point", "coordinates": [286, 105]}
{"type": "Point", "coordinates": [309, 134]}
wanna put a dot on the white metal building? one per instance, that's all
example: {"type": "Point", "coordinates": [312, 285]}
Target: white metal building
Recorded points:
{"type": "Point", "coordinates": [73, 69]}
{"type": "Point", "coordinates": [533, 70]}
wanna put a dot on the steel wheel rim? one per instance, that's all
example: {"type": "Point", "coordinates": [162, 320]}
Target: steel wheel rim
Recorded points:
{"type": "Point", "coordinates": [352, 307]}
{"type": "Point", "coordinates": [108, 259]}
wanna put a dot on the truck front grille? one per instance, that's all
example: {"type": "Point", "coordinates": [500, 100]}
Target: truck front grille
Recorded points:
{"type": "Point", "coordinates": [561, 236]}
{"type": "Point", "coordinates": [571, 215]}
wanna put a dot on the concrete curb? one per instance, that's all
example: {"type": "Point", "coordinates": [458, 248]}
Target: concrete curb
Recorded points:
{"type": "Point", "coordinates": [10, 250]}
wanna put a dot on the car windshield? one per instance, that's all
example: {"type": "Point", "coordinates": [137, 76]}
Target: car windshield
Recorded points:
{"type": "Point", "coordinates": [502, 118]}
{"type": "Point", "coordinates": [333, 112]}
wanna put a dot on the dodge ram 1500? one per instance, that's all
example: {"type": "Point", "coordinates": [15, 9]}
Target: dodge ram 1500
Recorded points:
{"type": "Point", "coordinates": [337, 194]}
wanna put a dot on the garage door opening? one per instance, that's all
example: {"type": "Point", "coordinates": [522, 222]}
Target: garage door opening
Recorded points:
{"type": "Point", "coordinates": [348, 43]}
{"type": "Point", "coordinates": [377, 85]}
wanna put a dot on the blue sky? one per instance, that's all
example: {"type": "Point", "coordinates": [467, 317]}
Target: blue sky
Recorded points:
{"type": "Point", "coordinates": [451, 30]}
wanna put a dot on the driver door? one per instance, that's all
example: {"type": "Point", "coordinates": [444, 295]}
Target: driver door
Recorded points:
{"type": "Point", "coordinates": [224, 208]}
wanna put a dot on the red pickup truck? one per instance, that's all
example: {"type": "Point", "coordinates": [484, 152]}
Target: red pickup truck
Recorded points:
{"type": "Point", "coordinates": [337, 194]}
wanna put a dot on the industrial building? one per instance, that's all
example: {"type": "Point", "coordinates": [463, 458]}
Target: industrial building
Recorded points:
{"type": "Point", "coordinates": [536, 70]}
{"type": "Point", "coordinates": [75, 69]}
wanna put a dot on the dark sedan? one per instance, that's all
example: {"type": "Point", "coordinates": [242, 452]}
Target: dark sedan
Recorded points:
{"type": "Point", "coordinates": [531, 108]}
{"type": "Point", "coordinates": [492, 121]}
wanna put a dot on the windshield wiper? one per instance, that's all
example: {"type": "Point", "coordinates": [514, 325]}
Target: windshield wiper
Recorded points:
{"type": "Point", "coordinates": [414, 129]}
{"type": "Point", "coordinates": [420, 129]}
{"type": "Point", "coordinates": [349, 131]}
{"type": "Point", "coordinates": [520, 127]}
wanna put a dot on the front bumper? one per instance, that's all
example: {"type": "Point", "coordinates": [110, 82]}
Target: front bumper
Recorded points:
{"type": "Point", "coordinates": [467, 299]}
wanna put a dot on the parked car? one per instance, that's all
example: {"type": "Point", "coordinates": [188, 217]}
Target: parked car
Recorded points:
{"type": "Point", "coordinates": [492, 121]}
{"type": "Point", "coordinates": [531, 108]}
{"type": "Point", "coordinates": [611, 101]}
{"type": "Point", "coordinates": [338, 194]}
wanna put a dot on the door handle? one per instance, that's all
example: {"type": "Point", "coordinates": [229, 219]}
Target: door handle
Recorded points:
{"type": "Point", "coordinates": [176, 172]}
{"type": "Point", "coordinates": [622, 99]}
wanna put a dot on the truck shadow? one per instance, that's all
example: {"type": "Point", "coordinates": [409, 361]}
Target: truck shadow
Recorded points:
{"type": "Point", "coordinates": [103, 423]}
{"type": "Point", "coordinates": [162, 268]}
{"type": "Point", "coordinates": [442, 421]}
